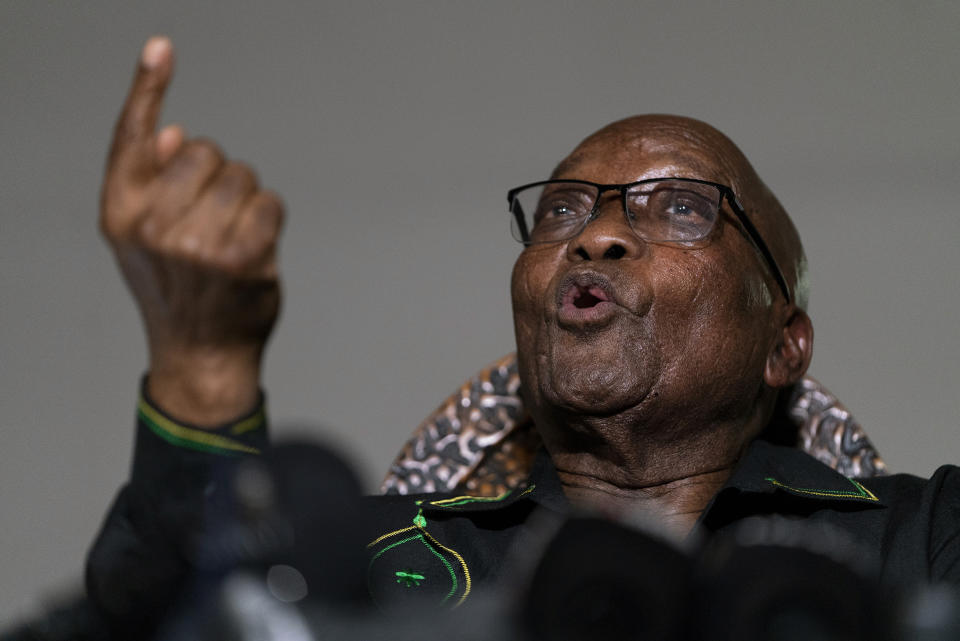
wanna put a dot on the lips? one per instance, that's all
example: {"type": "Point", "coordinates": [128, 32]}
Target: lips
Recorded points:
{"type": "Point", "coordinates": [585, 300]}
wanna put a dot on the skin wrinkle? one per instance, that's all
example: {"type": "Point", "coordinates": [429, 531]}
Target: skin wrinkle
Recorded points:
{"type": "Point", "coordinates": [668, 391]}
{"type": "Point", "coordinates": [652, 491]}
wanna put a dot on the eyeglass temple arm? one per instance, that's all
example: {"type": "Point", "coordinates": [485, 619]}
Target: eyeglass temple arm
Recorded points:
{"type": "Point", "coordinates": [758, 242]}
{"type": "Point", "coordinates": [518, 216]}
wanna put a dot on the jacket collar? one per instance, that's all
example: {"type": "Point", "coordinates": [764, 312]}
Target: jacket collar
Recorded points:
{"type": "Point", "coordinates": [765, 469]}
{"type": "Point", "coordinates": [769, 469]}
{"type": "Point", "coordinates": [542, 487]}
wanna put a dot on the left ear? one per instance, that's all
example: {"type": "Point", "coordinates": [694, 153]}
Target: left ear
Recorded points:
{"type": "Point", "coordinates": [791, 354]}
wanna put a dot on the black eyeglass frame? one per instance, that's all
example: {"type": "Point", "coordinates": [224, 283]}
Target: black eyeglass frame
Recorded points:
{"type": "Point", "coordinates": [725, 192]}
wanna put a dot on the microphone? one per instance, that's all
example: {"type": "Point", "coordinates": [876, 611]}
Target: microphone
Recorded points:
{"type": "Point", "coordinates": [282, 538]}
{"type": "Point", "coordinates": [778, 579]}
{"type": "Point", "coordinates": [598, 579]}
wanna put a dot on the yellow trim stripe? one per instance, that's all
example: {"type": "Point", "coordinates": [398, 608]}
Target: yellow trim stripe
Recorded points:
{"type": "Point", "coordinates": [487, 499]}
{"type": "Point", "coordinates": [862, 493]}
{"type": "Point", "coordinates": [466, 570]}
{"type": "Point", "coordinates": [193, 436]}
{"type": "Point", "coordinates": [389, 534]}
{"type": "Point", "coordinates": [248, 424]}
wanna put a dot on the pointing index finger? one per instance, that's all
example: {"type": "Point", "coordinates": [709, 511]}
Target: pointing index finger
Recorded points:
{"type": "Point", "coordinates": [133, 135]}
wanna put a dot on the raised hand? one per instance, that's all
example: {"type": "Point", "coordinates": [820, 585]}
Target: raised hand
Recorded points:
{"type": "Point", "coordinates": [196, 239]}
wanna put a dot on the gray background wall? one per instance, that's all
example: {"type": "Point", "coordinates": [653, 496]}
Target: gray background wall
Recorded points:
{"type": "Point", "coordinates": [393, 130]}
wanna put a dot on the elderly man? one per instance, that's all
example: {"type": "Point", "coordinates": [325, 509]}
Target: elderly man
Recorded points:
{"type": "Point", "coordinates": [659, 309]}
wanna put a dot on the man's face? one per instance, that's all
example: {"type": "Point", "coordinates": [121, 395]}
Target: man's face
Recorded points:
{"type": "Point", "coordinates": [608, 324]}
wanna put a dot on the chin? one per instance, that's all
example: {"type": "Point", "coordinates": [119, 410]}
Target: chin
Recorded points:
{"type": "Point", "coordinates": [594, 384]}
{"type": "Point", "coordinates": [598, 373]}
{"type": "Point", "coordinates": [594, 393]}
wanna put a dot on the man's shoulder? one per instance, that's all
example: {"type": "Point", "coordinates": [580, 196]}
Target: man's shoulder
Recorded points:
{"type": "Point", "coordinates": [910, 491]}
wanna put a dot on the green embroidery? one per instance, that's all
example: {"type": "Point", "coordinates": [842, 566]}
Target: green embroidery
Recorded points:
{"type": "Point", "coordinates": [409, 578]}
{"type": "Point", "coordinates": [860, 493]}
{"type": "Point", "coordinates": [419, 520]}
{"type": "Point", "coordinates": [453, 576]}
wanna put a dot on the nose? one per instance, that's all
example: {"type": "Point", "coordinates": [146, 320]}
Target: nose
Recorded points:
{"type": "Point", "coordinates": [606, 237]}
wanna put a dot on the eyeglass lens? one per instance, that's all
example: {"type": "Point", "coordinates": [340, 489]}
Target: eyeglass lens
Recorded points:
{"type": "Point", "coordinates": [659, 211]}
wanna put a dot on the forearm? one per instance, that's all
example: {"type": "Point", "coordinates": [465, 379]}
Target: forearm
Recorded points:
{"type": "Point", "coordinates": [144, 554]}
{"type": "Point", "coordinates": [195, 237]}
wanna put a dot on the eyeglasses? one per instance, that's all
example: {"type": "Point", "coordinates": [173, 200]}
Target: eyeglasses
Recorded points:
{"type": "Point", "coordinates": [680, 211]}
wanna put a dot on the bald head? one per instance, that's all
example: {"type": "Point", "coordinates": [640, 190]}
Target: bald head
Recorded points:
{"type": "Point", "coordinates": [726, 164]}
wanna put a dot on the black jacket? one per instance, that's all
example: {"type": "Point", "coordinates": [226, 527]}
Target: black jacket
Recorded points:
{"type": "Point", "coordinates": [446, 549]}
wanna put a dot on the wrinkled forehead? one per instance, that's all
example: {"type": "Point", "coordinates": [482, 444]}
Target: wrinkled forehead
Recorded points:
{"type": "Point", "coordinates": [652, 147]}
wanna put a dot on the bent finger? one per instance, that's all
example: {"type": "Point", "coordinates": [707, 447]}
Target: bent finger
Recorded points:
{"type": "Point", "coordinates": [262, 218]}
{"type": "Point", "coordinates": [183, 179]}
{"type": "Point", "coordinates": [168, 142]}
{"type": "Point", "coordinates": [218, 208]}
{"type": "Point", "coordinates": [252, 240]}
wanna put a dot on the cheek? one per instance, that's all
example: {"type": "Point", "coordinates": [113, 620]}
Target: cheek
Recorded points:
{"type": "Point", "coordinates": [524, 288]}
{"type": "Point", "coordinates": [708, 304]}
{"type": "Point", "coordinates": [519, 287]}
{"type": "Point", "coordinates": [529, 283]}
{"type": "Point", "coordinates": [730, 284]}
{"type": "Point", "coordinates": [529, 286]}
{"type": "Point", "coordinates": [759, 296]}
{"type": "Point", "coordinates": [724, 322]}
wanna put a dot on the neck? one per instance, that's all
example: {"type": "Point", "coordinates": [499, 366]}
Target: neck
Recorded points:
{"type": "Point", "coordinates": [675, 505]}
{"type": "Point", "coordinates": [661, 477]}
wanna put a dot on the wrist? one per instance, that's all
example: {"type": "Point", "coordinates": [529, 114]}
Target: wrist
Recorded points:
{"type": "Point", "coordinates": [206, 387]}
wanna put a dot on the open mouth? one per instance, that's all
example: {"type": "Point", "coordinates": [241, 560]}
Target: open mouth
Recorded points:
{"type": "Point", "coordinates": [585, 299]}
